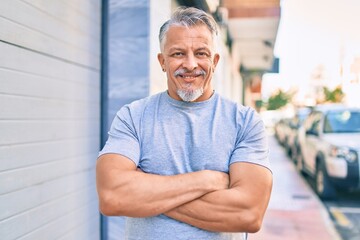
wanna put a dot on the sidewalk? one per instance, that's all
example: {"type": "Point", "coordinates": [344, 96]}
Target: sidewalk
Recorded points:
{"type": "Point", "coordinates": [295, 212]}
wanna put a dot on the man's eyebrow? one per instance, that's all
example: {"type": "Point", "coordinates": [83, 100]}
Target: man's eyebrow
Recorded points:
{"type": "Point", "coordinates": [202, 48]}
{"type": "Point", "coordinates": [176, 49]}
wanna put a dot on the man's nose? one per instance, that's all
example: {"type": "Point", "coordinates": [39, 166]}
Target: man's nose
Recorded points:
{"type": "Point", "coordinates": [190, 62]}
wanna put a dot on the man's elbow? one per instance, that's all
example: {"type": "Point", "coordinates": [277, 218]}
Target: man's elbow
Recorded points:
{"type": "Point", "coordinates": [254, 226]}
{"type": "Point", "coordinates": [110, 204]}
{"type": "Point", "coordinates": [253, 222]}
{"type": "Point", "coordinates": [249, 222]}
{"type": "Point", "coordinates": [106, 210]}
{"type": "Point", "coordinates": [108, 207]}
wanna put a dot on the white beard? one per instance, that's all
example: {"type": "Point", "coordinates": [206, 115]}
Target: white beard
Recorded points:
{"type": "Point", "coordinates": [187, 94]}
{"type": "Point", "coordinates": [190, 95]}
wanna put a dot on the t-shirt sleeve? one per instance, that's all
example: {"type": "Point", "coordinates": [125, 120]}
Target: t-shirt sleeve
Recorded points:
{"type": "Point", "coordinates": [252, 141]}
{"type": "Point", "coordinates": [123, 137]}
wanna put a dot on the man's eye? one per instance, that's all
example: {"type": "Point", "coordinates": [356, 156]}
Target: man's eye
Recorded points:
{"type": "Point", "coordinates": [202, 54]}
{"type": "Point", "coordinates": [178, 54]}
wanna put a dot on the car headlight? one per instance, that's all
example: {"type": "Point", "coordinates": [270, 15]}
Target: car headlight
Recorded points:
{"type": "Point", "coordinates": [344, 152]}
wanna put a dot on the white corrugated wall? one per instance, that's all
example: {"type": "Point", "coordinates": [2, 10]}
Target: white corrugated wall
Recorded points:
{"type": "Point", "coordinates": [49, 118]}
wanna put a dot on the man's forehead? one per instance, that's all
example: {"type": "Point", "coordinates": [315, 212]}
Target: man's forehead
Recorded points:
{"type": "Point", "coordinates": [196, 34]}
{"type": "Point", "coordinates": [200, 30]}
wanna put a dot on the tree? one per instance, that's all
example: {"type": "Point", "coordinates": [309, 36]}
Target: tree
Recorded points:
{"type": "Point", "coordinates": [278, 100]}
{"type": "Point", "coordinates": [334, 96]}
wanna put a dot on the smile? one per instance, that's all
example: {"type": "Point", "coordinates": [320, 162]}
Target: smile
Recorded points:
{"type": "Point", "coordinates": [189, 75]}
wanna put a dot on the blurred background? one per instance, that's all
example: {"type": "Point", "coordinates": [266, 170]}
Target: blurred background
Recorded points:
{"type": "Point", "coordinates": [66, 67]}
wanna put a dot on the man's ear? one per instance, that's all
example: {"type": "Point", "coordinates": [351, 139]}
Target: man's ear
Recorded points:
{"type": "Point", "coordinates": [161, 59]}
{"type": "Point", "coordinates": [216, 59]}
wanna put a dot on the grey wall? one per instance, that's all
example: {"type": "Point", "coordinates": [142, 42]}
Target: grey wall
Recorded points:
{"type": "Point", "coordinates": [128, 54]}
{"type": "Point", "coordinates": [128, 69]}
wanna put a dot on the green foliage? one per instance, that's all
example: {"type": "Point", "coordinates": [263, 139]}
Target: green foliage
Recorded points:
{"type": "Point", "coordinates": [278, 100]}
{"type": "Point", "coordinates": [334, 96]}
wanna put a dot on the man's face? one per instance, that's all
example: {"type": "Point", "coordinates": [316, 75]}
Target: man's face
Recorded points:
{"type": "Point", "coordinates": [189, 60]}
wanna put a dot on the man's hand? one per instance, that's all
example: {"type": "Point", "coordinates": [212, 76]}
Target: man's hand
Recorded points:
{"type": "Point", "coordinates": [219, 180]}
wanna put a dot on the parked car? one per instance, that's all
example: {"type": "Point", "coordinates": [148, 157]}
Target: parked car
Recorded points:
{"type": "Point", "coordinates": [292, 142]}
{"type": "Point", "coordinates": [281, 130]}
{"type": "Point", "coordinates": [330, 148]}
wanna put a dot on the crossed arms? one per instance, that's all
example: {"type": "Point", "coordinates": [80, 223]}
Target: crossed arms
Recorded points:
{"type": "Point", "coordinates": [210, 200]}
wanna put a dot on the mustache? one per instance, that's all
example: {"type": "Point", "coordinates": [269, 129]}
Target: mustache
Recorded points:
{"type": "Point", "coordinates": [184, 71]}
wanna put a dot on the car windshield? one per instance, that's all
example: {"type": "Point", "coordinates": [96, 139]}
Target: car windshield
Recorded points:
{"type": "Point", "coordinates": [342, 122]}
{"type": "Point", "coordinates": [302, 116]}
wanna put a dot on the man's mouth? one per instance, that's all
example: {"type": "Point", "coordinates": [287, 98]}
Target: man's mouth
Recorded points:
{"type": "Point", "coordinates": [189, 75]}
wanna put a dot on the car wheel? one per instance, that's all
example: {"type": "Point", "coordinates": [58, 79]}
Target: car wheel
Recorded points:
{"type": "Point", "coordinates": [294, 153]}
{"type": "Point", "coordinates": [323, 185]}
{"type": "Point", "coordinates": [299, 162]}
{"type": "Point", "coordinates": [289, 151]}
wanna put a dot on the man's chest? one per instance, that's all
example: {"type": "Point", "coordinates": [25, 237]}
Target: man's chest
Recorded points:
{"type": "Point", "coordinates": [182, 144]}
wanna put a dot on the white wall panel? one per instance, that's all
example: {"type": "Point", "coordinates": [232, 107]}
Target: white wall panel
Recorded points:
{"type": "Point", "coordinates": [70, 16]}
{"type": "Point", "coordinates": [39, 194]}
{"type": "Point", "coordinates": [27, 131]}
{"type": "Point", "coordinates": [22, 224]}
{"type": "Point", "coordinates": [39, 174]}
{"type": "Point", "coordinates": [14, 156]}
{"type": "Point", "coordinates": [46, 34]}
{"type": "Point", "coordinates": [25, 61]}
{"type": "Point", "coordinates": [27, 84]}
{"type": "Point", "coordinates": [63, 229]}
{"type": "Point", "coordinates": [49, 118]}
{"type": "Point", "coordinates": [19, 107]}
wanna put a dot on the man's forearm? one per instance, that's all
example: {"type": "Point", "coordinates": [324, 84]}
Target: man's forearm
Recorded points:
{"type": "Point", "coordinates": [144, 195]}
{"type": "Point", "coordinates": [220, 211]}
{"type": "Point", "coordinates": [240, 208]}
{"type": "Point", "coordinates": [124, 191]}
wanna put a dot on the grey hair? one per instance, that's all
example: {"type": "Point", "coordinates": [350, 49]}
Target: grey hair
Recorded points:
{"type": "Point", "coordinates": [188, 17]}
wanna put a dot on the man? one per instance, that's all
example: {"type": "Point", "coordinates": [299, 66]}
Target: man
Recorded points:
{"type": "Point", "coordinates": [186, 163]}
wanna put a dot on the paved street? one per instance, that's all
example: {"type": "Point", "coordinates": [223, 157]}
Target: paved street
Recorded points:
{"type": "Point", "coordinates": [345, 213]}
{"type": "Point", "coordinates": [295, 212]}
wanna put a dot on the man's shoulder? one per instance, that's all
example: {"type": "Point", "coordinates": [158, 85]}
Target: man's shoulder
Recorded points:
{"type": "Point", "coordinates": [142, 103]}
{"type": "Point", "coordinates": [136, 108]}
{"type": "Point", "coordinates": [241, 114]}
{"type": "Point", "coordinates": [235, 106]}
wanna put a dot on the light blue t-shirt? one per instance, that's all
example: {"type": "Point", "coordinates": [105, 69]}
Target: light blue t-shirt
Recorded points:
{"type": "Point", "coordinates": [167, 137]}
